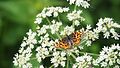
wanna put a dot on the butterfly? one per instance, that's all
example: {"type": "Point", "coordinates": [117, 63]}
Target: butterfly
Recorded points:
{"type": "Point", "coordinates": [69, 41]}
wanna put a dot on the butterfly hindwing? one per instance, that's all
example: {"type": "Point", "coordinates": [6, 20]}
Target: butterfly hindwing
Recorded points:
{"type": "Point", "coordinates": [63, 43]}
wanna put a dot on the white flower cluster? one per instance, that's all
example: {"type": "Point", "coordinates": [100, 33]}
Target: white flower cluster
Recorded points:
{"type": "Point", "coordinates": [107, 26]}
{"type": "Point", "coordinates": [58, 58]}
{"type": "Point", "coordinates": [109, 57]}
{"type": "Point", "coordinates": [42, 30]}
{"type": "Point", "coordinates": [83, 3]}
{"type": "Point", "coordinates": [48, 12]}
{"type": "Point", "coordinates": [55, 26]}
{"type": "Point", "coordinates": [22, 59]}
{"type": "Point", "coordinates": [42, 53]}
{"type": "Point", "coordinates": [75, 17]}
{"type": "Point", "coordinates": [56, 31]}
{"type": "Point", "coordinates": [44, 50]}
{"type": "Point", "coordinates": [84, 61]}
{"type": "Point", "coordinates": [89, 35]}
{"type": "Point", "coordinates": [68, 30]}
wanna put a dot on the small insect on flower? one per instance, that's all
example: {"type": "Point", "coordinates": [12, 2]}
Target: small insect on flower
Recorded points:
{"type": "Point", "coordinates": [70, 40]}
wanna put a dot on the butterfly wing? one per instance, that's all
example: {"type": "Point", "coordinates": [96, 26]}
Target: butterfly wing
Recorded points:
{"type": "Point", "coordinates": [76, 37]}
{"type": "Point", "coordinates": [63, 43]}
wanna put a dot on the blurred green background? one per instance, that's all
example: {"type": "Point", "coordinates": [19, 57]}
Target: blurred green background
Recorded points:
{"type": "Point", "coordinates": [17, 17]}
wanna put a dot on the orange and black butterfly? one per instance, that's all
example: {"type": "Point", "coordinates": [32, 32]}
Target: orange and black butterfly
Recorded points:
{"type": "Point", "coordinates": [69, 41]}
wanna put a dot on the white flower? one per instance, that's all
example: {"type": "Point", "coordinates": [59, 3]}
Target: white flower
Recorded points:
{"type": "Point", "coordinates": [58, 59]}
{"type": "Point", "coordinates": [107, 26]}
{"type": "Point", "coordinates": [83, 61]}
{"type": "Point", "coordinates": [116, 25]}
{"type": "Point", "coordinates": [55, 14]}
{"type": "Point", "coordinates": [31, 38]}
{"type": "Point", "coordinates": [109, 56]}
{"type": "Point", "coordinates": [77, 23]}
{"type": "Point", "coordinates": [75, 15]}
{"type": "Point", "coordinates": [22, 59]}
{"type": "Point", "coordinates": [82, 3]}
{"type": "Point", "coordinates": [91, 35]}
{"type": "Point", "coordinates": [42, 30]}
{"type": "Point", "coordinates": [68, 30]}
{"type": "Point", "coordinates": [55, 26]}
{"type": "Point", "coordinates": [38, 20]}
{"type": "Point", "coordinates": [118, 61]}
{"type": "Point", "coordinates": [28, 65]}
{"type": "Point", "coordinates": [23, 43]}
{"type": "Point", "coordinates": [42, 52]}
{"type": "Point", "coordinates": [71, 1]}
{"type": "Point", "coordinates": [103, 64]}
{"type": "Point", "coordinates": [106, 35]}
{"type": "Point", "coordinates": [88, 43]}
{"type": "Point", "coordinates": [117, 66]}
{"type": "Point", "coordinates": [65, 9]}
{"type": "Point", "coordinates": [74, 66]}
{"type": "Point", "coordinates": [50, 11]}
{"type": "Point", "coordinates": [88, 27]}
{"type": "Point", "coordinates": [41, 66]}
{"type": "Point", "coordinates": [45, 41]}
{"type": "Point", "coordinates": [115, 34]}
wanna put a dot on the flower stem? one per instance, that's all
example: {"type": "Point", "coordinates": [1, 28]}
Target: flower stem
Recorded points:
{"type": "Point", "coordinates": [58, 35]}
{"type": "Point", "coordinates": [82, 42]}
{"type": "Point", "coordinates": [33, 58]}
{"type": "Point", "coordinates": [67, 61]}
{"type": "Point", "coordinates": [73, 24]}
{"type": "Point", "coordinates": [51, 66]}
{"type": "Point", "coordinates": [90, 53]}
{"type": "Point", "coordinates": [75, 7]}
{"type": "Point", "coordinates": [73, 56]}
{"type": "Point", "coordinates": [48, 20]}
{"type": "Point", "coordinates": [59, 19]}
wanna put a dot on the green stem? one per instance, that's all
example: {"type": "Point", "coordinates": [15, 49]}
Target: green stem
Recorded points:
{"type": "Point", "coordinates": [71, 61]}
{"type": "Point", "coordinates": [75, 7]}
{"type": "Point", "coordinates": [90, 53]}
{"type": "Point", "coordinates": [59, 19]}
{"type": "Point", "coordinates": [58, 35]}
{"type": "Point", "coordinates": [52, 37]}
{"type": "Point", "coordinates": [73, 56]}
{"type": "Point", "coordinates": [57, 32]}
{"type": "Point", "coordinates": [48, 20]}
{"type": "Point", "coordinates": [33, 58]}
{"type": "Point", "coordinates": [73, 23]}
{"type": "Point", "coordinates": [36, 58]}
{"type": "Point", "coordinates": [0, 25]}
{"type": "Point", "coordinates": [82, 42]}
{"type": "Point", "coordinates": [51, 66]}
{"type": "Point", "coordinates": [67, 61]}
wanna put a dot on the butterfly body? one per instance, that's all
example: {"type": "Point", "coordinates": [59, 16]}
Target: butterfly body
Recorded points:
{"type": "Point", "coordinates": [69, 41]}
